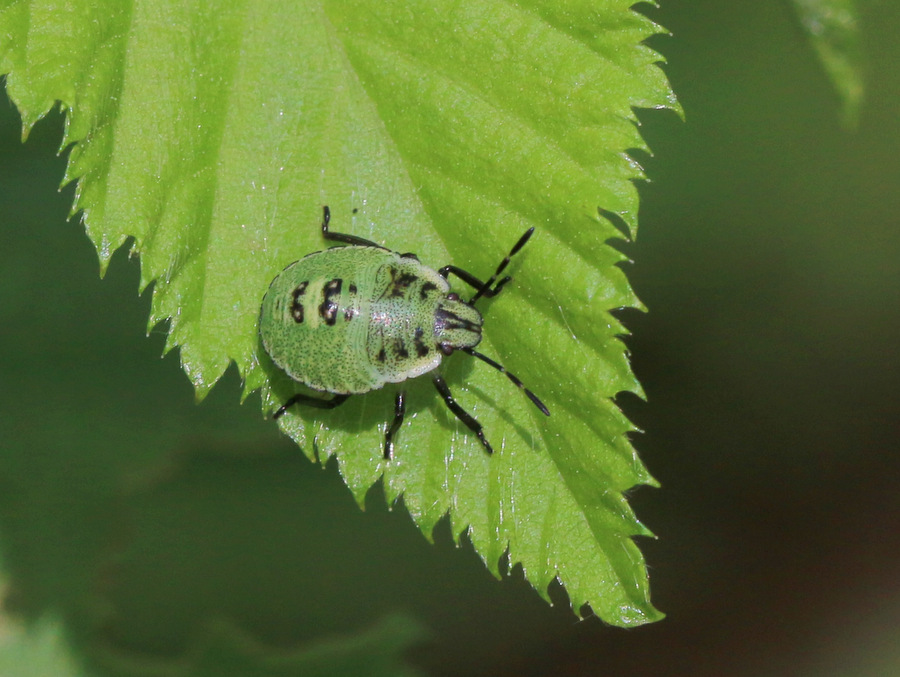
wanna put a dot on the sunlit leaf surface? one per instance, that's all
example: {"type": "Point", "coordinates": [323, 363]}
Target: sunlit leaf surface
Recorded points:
{"type": "Point", "coordinates": [208, 136]}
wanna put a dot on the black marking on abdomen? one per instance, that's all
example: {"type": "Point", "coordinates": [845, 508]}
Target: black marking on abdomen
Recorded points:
{"type": "Point", "coordinates": [350, 309]}
{"type": "Point", "coordinates": [296, 304]}
{"type": "Point", "coordinates": [421, 349]}
{"type": "Point", "coordinates": [426, 289]}
{"type": "Point", "coordinates": [329, 307]}
{"type": "Point", "coordinates": [382, 356]}
{"type": "Point", "coordinates": [400, 283]}
{"type": "Point", "coordinates": [400, 348]}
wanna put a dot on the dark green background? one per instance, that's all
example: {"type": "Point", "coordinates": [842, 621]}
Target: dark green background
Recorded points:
{"type": "Point", "coordinates": [769, 256]}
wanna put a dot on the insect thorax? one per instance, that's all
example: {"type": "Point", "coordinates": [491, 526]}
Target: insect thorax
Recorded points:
{"type": "Point", "coordinates": [412, 321]}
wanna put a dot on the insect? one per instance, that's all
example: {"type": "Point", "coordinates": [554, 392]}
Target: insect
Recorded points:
{"type": "Point", "coordinates": [349, 319]}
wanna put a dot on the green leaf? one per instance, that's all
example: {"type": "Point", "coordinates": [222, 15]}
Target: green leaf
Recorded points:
{"type": "Point", "coordinates": [39, 649]}
{"type": "Point", "coordinates": [222, 649]}
{"type": "Point", "coordinates": [208, 135]}
{"type": "Point", "coordinates": [35, 650]}
{"type": "Point", "coordinates": [833, 29]}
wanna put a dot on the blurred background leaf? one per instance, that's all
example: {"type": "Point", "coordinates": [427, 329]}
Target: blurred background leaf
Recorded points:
{"type": "Point", "coordinates": [833, 30]}
{"type": "Point", "coordinates": [31, 650]}
{"type": "Point", "coordinates": [36, 651]}
{"type": "Point", "coordinates": [222, 649]}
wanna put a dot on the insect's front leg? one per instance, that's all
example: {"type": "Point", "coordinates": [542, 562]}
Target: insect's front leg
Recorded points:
{"type": "Point", "coordinates": [488, 288]}
{"type": "Point", "coordinates": [473, 281]}
{"type": "Point", "coordinates": [461, 413]}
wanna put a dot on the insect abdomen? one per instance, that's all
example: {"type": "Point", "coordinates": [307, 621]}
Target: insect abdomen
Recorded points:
{"type": "Point", "coordinates": [313, 320]}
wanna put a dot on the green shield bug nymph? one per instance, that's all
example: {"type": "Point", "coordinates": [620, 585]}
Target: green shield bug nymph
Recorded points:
{"type": "Point", "coordinates": [352, 318]}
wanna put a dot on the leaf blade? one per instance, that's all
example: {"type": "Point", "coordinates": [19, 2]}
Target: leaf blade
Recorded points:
{"type": "Point", "coordinates": [453, 129]}
{"type": "Point", "coordinates": [832, 27]}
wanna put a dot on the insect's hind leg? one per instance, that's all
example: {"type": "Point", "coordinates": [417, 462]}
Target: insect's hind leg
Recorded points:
{"type": "Point", "coordinates": [343, 237]}
{"type": "Point", "coordinates": [399, 413]}
{"type": "Point", "coordinates": [310, 401]}
{"type": "Point", "coordinates": [461, 413]}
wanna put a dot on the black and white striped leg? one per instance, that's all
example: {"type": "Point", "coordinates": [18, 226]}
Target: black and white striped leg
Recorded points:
{"type": "Point", "coordinates": [473, 281]}
{"type": "Point", "coordinates": [488, 288]}
{"type": "Point", "coordinates": [310, 401]}
{"type": "Point", "coordinates": [399, 413]}
{"type": "Point", "coordinates": [461, 413]}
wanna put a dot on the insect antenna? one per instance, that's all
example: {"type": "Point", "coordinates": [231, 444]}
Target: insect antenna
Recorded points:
{"type": "Point", "coordinates": [512, 377]}
{"type": "Point", "coordinates": [486, 288]}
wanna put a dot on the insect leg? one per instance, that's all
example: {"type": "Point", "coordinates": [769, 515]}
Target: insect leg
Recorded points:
{"type": "Point", "coordinates": [343, 237]}
{"type": "Point", "coordinates": [512, 377]}
{"type": "Point", "coordinates": [484, 291]}
{"type": "Point", "coordinates": [310, 401]}
{"type": "Point", "coordinates": [489, 288]}
{"type": "Point", "coordinates": [461, 413]}
{"type": "Point", "coordinates": [399, 413]}
{"type": "Point", "coordinates": [473, 281]}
